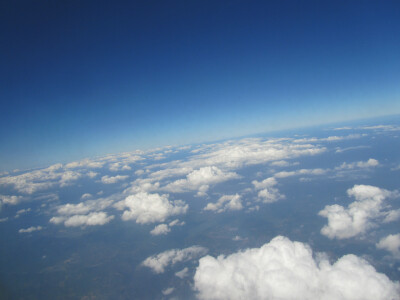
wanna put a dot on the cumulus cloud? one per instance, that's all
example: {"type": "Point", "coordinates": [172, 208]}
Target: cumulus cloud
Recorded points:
{"type": "Point", "coordinates": [84, 207]}
{"type": "Point", "coordinates": [159, 262]}
{"type": "Point", "coordinates": [30, 229]}
{"type": "Point", "coordinates": [360, 164]}
{"type": "Point", "coordinates": [160, 229]}
{"type": "Point", "coordinates": [200, 179]}
{"type": "Point", "coordinates": [92, 219]}
{"type": "Point", "coordinates": [267, 192]}
{"type": "Point", "coordinates": [150, 208]}
{"type": "Point", "coordinates": [11, 200]}
{"type": "Point", "coordinates": [113, 179]}
{"type": "Point", "coordinates": [390, 243]}
{"type": "Point", "coordinates": [359, 216]}
{"type": "Point", "coordinates": [282, 269]}
{"type": "Point", "coordinates": [226, 202]}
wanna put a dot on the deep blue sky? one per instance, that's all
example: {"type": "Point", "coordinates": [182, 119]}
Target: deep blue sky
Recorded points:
{"type": "Point", "coordinates": [82, 78]}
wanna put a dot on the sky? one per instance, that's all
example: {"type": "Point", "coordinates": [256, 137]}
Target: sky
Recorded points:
{"type": "Point", "coordinates": [86, 78]}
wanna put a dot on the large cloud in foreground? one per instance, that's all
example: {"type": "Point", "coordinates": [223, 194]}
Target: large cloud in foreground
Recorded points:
{"type": "Point", "coordinates": [282, 269]}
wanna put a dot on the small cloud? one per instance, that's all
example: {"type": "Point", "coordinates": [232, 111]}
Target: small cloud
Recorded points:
{"type": "Point", "coordinates": [168, 291]}
{"type": "Point", "coordinates": [159, 262]}
{"type": "Point", "coordinates": [226, 202]}
{"type": "Point", "coordinates": [182, 273]}
{"type": "Point", "coordinates": [390, 243]}
{"type": "Point", "coordinates": [30, 229]}
{"type": "Point", "coordinates": [113, 179]}
{"type": "Point", "coordinates": [161, 229]}
{"type": "Point", "coordinates": [150, 208]}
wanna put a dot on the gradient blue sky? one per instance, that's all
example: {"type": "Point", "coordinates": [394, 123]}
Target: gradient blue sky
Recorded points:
{"type": "Point", "coordinates": [83, 78]}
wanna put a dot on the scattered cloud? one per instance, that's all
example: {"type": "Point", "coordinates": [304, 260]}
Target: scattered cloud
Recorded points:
{"type": "Point", "coordinates": [168, 291]}
{"type": "Point", "coordinates": [390, 243]}
{"type": "Point", "coordinates": [359, 216]}
{"type": "Point", "coordinates": [150, 208]}
{"type": "Point", "coordinates": [200, 180]}
{"type": "Point", "coordinates": [113, 179]}
{"type": "Point", "coordinates": [159, 262]}
{"type": "Point", "coordinates": [11, 200]}
{"type": "Point", "coordinates": [267, 192]}
{"type": "Point", "coordinates": [360, 164]}
{"type": "Point", "coordinates": [182, 273]}
{"type": "Point", "coordinates": [282, 269]}
{"type": "Point", "coordinates": [226, 202]}
{"type": "Point", "coordinates": [92, 219]}
{"type": "Point", "coordinates": [160, 229]}
{"type": "Point", "coordinates": [30, 229]}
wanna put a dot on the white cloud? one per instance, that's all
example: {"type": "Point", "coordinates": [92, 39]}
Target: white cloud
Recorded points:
{"type": "Point", "coordinates": [226, 202]}
{"type": "Point", "coordinates": [200, 179]}
{"type": "Point", "coordinates": [92, 174]}
{"type": "Point", "coordinates": [390, 243]}
{"type": "Point", "coordinates": [113, 179]}
{"type": "Point", "coordinates": [166, 228]}
{"type": "Point", "coordinates": [30, 229]}
{"type": "Point", "coordinates": [84, 207]}
{"type": "Point", "coordinates": [159, 262]}
{"type": "Point", "coordinates": [392, 216]}
{"type": "Point", "coordinates": [268, 193]}
{"type": "Point", "coordinates": [282, 269]}
{"type": "Point", "coordinates": [115, 167]}
{"type": "Point", "coordinates": [360, 164]}
{"type": "Point", "coordinates": [285, 174]}
{"type": "Point", "coordinates": [86, 196]}
{"type": "Point", "coordinates": [150, 208]}
{"type": "Point", "coordinates": [168, 291]}
{"type": "Point", "coordinates": [68, 177]}
{"type": "Point", "coordinates": [92, 219]}
{"type": "Point", "coordinates": [86, 163]}
{"type": "Point", "coordinates": [182, 273]}
{"type": "Point", "coordinates": [160, 229]}
{"type": "Point", "coordinates": [11, 200]}
{"type": "Point", "coordinates": [360, 214]}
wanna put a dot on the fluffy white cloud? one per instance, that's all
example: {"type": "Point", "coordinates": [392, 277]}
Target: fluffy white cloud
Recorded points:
{"type": "Point", "coordinates": [390, 243]}
{"type": "Point", "coordinates": [226, 202]}
{"type": "Point", "coordinates": [113, 179]}
{"type": "Point", "coordinates": [200, 179]}
{"type": "Point", "coordinates": [150, 208]}
{"type": "Point", "coordinates": [68, 177]}
{"type": "Point", "coordinates": [360, 164]}
{"type": "Point", "coordinates": [160, 229]}
{"type": "Point", "coordinates": [392, 215]}
{"type": "Point", "coordinates": [359, 216]}
{"type": "Point", "coordinates": [282, 269]}
{"type": "Point", "coordinates": [159, 262]}
{"type": "Point", "coordinates": [30, 229]}
{"type": "Point", "coordinates": [268, 193]}
{"type": "Point", "coordinates": [84, 207]}
{"type": "Point", "coordinates": [92, 219]}
{"type": "Point", "coordinates": [12, 200]}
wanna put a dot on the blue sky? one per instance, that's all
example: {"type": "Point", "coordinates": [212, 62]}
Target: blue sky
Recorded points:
{"type": "Point", "coordinates": [84, 78]}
